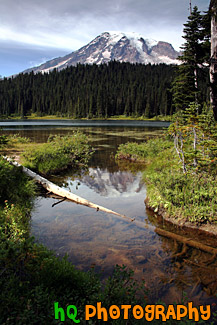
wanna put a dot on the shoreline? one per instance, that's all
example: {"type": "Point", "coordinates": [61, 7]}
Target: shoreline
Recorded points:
{"type": "Point", "coordinates": [206, 229]}
{"type": "Point", "coordinates": [202, 221]}
{"type": "Point", "coordinates": [113, 118]}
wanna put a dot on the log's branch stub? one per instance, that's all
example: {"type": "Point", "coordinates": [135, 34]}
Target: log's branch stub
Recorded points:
{"type": "Point", "coordinates": [51, 187]}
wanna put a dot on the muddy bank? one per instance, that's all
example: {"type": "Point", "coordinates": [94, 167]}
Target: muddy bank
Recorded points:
{"type": "Point", "coordinates": [207, 229]}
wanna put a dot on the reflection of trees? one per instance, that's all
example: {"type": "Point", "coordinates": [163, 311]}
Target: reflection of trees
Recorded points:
{"type": "Point", "coordinates": [133, 167]}
{"type": "Point", "coordinates": [190, 270]}
{"type": "Point", "coordinates": [103, 159]}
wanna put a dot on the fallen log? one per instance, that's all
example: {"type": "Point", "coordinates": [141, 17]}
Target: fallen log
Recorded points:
{"type": "Point", "coordinates": [186, 241]}
{"type": "Point", "coordinates": [53, 188]}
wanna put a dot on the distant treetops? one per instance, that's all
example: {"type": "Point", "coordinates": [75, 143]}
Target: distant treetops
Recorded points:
{"type": "Point", "coordinates": [92, 91]}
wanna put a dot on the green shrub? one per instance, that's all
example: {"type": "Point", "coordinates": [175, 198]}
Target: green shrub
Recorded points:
{"type": "Point", "coordinates": [60, 152]}
{"type": "Point", "coordinates": [17, 138]}
{"type": "Point", "coordinates": [3, 140]}
{"type": "Point", "coordinates": [191, 196]}
{"type": "Point", "coordinates": [15, 185]}
{"type": "Point", "coordinates": [142, 151]}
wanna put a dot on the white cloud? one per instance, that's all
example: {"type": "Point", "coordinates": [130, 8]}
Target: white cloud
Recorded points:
{"type": "Point", "coordinates": [70, 24]}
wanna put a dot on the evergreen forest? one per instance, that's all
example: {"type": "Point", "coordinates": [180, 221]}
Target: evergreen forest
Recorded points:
{"type": "Point", "coordinates": [94, 91]}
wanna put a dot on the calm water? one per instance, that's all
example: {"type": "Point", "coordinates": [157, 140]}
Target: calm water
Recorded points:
{"type": "Point", "coordinates": [80, 123]}
{"type": "Point", "coordinates": [100, 239]}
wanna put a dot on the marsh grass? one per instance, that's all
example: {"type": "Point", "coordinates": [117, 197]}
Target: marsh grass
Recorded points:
{"type": "Point", "coordinates": [35, 116]}
{"type": "Point", "coordinates": [15, 185]}
{"type": "Point", "coordinates": [59, 153]}
{"type": "Point", "coordinates": [190, 196]}
{"type": "Point", "coordinates": [141, 151]}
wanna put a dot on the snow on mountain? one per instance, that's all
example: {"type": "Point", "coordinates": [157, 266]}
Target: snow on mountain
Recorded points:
{"type": "Point", "coordinates": [117, 184]}
{"type": "Point", "coordinates": [114, 45]}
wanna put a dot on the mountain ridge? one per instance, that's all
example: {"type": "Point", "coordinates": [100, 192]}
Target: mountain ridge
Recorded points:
{"type": "Point", "coordinates": [123, 47]}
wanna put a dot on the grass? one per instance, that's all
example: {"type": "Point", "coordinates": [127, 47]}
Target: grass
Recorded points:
{"type": "Point", "coordinates": [15, 145]}
{"type": "Point", "coordinates": [190, 196]}
{"type": "Point", "coordinates": [59, 153]}
{"type": "Point", "coordinates": [15, 186]}
{"type": "Point", "coordinates": [142, 151]}
{"type": "Point", "coordinates": [115, 117]}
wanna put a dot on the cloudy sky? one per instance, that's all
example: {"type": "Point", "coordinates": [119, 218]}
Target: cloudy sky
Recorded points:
{"type": "Point", "coordinates": [34, 31]}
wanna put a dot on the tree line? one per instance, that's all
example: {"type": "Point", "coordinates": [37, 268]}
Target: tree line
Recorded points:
{"type": "Point", "coordinates": [101, 91]}
{"type": "Point", "coordinates": [88, 91]}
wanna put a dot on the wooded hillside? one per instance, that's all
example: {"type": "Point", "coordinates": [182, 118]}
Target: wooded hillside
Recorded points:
{"type": "Point", "coordinates": [92, 91]}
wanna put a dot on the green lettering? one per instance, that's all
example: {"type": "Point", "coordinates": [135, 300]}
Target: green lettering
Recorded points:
{"type": "Point", "coordinates": [73, 315]}
{"type": "Point", "coordinates": [58, 310]}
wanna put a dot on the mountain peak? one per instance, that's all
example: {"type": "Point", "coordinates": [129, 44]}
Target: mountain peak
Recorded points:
{"type": "Point", "coordinates": [115, 45]}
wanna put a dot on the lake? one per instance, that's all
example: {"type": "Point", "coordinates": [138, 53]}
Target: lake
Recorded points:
{"type": "Point", "coordinates": [101, 240]}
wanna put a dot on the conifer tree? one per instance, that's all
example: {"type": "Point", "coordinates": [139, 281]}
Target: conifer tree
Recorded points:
{"type": "Point", "coordinates": [185, 87]}
{"type": "Point", "coordinates": [90, 91]}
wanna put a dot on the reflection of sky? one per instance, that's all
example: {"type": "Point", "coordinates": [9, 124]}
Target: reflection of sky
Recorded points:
{"type": "Point", "coordinates": [89, 236]}
{"type": "Point", "coordinates": [86, 123]}
{"type": "Point", "coordinates": [117, 184]}
{"type": "Point", "coordinates": [120, 191]}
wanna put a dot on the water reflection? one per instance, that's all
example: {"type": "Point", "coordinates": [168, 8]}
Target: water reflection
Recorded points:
{"type": "Point", "coordinates": [95, 238]}
{"type": "Point", "coordinates": [78, 123]}
{"type": "Point", "coordinates": [115, 184]}
{"type": "Point", "coordinates": [89, 237]}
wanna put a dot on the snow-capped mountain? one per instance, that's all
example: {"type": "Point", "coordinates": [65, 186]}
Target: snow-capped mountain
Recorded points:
{"type": "Point", "coordinates": [105, 183]}
{"type": "Point", "coordinates": [123, 47]}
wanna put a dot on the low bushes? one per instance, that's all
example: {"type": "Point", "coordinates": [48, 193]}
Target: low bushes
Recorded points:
{"type": "Point", "coordinates": [15, 185]}
{"type": "Point", "coordinates": [191, 196]}
{"type": "Point", "coordinates": [188, 196]}
{"type": "Point", "coordinates": [60, 152]}
{"type": "Point", "coordinates": [141, 151]}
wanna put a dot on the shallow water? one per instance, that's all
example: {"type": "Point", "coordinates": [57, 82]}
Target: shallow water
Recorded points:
{"type": "Point", "coordinates": [100, 239]}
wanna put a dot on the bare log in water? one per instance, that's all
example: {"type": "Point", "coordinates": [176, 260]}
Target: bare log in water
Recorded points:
{"type": "Point", "coordinates": [51, 187]}
{"type": "Point", "coordinates": [186, 241]}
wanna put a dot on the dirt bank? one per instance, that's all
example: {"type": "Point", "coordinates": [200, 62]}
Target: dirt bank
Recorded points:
{"type": "Point", "coordinates": [207, 229]}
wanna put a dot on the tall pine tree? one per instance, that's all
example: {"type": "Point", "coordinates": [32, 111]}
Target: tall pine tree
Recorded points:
{"type": "Point", "coordinates": [186, 85]}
